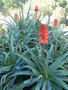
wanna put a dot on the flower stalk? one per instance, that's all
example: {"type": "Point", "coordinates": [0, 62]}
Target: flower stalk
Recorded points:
{"type": "Point", "coordinates": [43, 39]}
{"type": "Point", "coordinates": [43, 47]}
{"type": "Point", "coordinates": [36, 10]}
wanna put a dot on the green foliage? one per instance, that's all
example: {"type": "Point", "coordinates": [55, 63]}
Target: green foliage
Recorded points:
{"type": "Point", "coordinates": [21, 56]}
{"type": "Point", "coordinates": [1, 4]}
{"type": "Point", "coordinates": [25, 30]}
{"type": "Point", "coordinates": [9, 3]}
{"type": "Point", "coordinates": [63, 3]}
{"type": "Point", "coordinates": [13, 3]}
{"type": "Point", "coordinates": [0, 28]}
{"type": "Point", "coordinates": [50, 75]}
{"type": "Point", "coordinates": [58, 38]}
{"type": "Point", "coordinates": [13, 41]}
{"type": "Point", "coordinates": [23, 1]}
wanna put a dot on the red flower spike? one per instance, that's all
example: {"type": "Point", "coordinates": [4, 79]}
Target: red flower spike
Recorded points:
{"type": "Point", "coordinates": [56, 22]}
{"type": "Point", "coordinates": [16, 16]}
{"type": "Point", "coordinates": [43, 34]}
{"type": "Point", "coordinates": [36, 8]}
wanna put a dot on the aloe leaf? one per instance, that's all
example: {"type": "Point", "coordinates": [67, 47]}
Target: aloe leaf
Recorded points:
{"type": "Point", "coordinates": [44, 85]}
{"type": "Point", "coordinates": [38, 86]}
{"type": "Point", "coordinates": [36, 72]}
{"type": "Point", "coordinates": [27, 83]}
{"type": "Point", "coordinates": [48, 56]}
{"type": "Point", "coordinates": [63, 84]}
{"type": "Point", "coordinates": [34, 59]}
{"type": "Point", "coordinates": [11, 44]}
{"type": "Point", "coordinates": [29, 62]}
{"type": "Point", "coordinates": [5, 68]}
{"type": "Point", "coordinates": [55, 86]}
{"type": "Point", "coordinates": [22, 73]}
{"type": "Point", "coordinates": [48, 85]}
{"type": "Point", "coordinates": [61, 72]}
{"type": "Point", "coordinates": [57, 62]}
{"type": "Point", "coordinates": [10, 24]}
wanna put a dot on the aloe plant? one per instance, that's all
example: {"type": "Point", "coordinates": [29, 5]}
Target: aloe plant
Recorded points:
{"type": "Point", "coordinates": [9, 62]}
{"type": "Point", "coordinates": [59, 38]}
{"type": "Point", "coordinates": [25, 29]}
{"type": "Point", "coordinates": [13, 41]}
{"type": "Point", "coordinates": [20, 56]}
{"type": "Point", "coordinates": [50, 76]}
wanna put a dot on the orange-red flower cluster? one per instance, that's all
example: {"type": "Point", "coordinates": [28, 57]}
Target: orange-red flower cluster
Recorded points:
{"type": "Point", "coordinates": [16, 16]}
{"type": "Point", "coordinates": [56, 22]}
{"type": "Point", "coordinates": [36, 8]}
{"type": "Point", "coordinates": [43, 34]}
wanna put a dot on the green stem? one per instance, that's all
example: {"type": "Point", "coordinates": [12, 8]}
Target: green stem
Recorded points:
{"type": "Point", "coordinates": [44, 67]}
{"type": "Point", "coordinates": [36, 14]}
{"type": "Point", "coordinates": [43, 47]}
{"type": "Point", "coordinates": [43, 52]}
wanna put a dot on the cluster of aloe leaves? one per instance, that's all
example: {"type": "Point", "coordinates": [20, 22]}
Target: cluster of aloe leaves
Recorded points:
{"type": "Point", "coordinates": [21, 59]}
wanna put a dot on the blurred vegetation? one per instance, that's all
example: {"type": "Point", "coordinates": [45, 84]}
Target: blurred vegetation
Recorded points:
{"type": "Point", "coordinates": [58, 8]}
{"type": "Point", "coordinates": [12, 3]}
{"type": "Point", "coordinates": [0, 28]}
{"type": "Point", "coordinates": [1, 4]}
{"type": "Point", "coordinates": [46, 7]}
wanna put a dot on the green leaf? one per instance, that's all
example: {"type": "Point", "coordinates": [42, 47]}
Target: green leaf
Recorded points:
{"type": "Point", "coordinates": [5, 68]}
{"type": "Point", "coordinates": [44, 85]}
{"type": "Point", "coordinates": [48, 56]}
{"type": "Point", "coordinates": [29, 62]}
{"type": "Point", "coordinates": [22, 73]}
{"type": "Point", "coordinates": [48, 85]}
{"type": "Point", "coordinates": [55, 86]}
{"type": "Point", "coordinates": [57, 62]}
{"type": "Point", "coordinates": [61, 72]}
{"type": "Point", "coordinates": [11, 44]}
{"type": "Point", "coordinates": [28, 17]}
{"type": "Point", "coordinates": [38, 86]}
{"type": "Point", "coordinates": [36, 72]}
{"type": "Point", "coordinates": [3, 79]}
{"type": "Point", "coordinates": [65, 79]}
{"type": "Point", "coordinates": [39, 53]}
{"type": "Point", "coordinates": [63, 84]}
{"type": "Point", "coordinates": [34, 58]}
{"type": "Point", "coordinates": [28, 14]}
{"type": "Point", "coordinates": [27, 83]}
{"type": "Point", "coordinates": [9, 24]}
